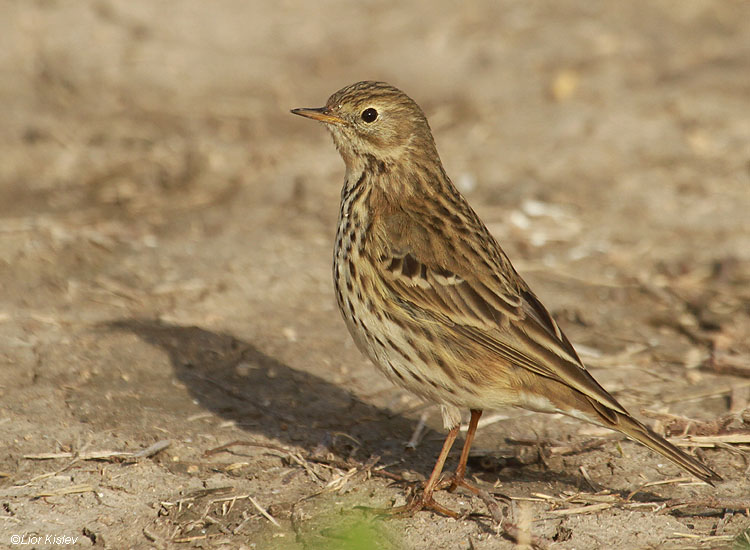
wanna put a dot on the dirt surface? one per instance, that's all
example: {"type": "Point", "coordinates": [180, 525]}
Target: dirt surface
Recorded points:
{"type": "Point", "coordinates": [166, 229]}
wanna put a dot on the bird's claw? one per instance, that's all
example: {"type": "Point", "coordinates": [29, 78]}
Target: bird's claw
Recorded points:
{"type": "Point", "coordinates": [418, 502]}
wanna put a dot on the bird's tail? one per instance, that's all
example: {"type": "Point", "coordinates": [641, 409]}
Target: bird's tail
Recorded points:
{"type": "Point", "coordinates": [635, 430]}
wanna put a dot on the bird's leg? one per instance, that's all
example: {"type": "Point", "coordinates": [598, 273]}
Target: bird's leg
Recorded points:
{"type": "Point", "coordinates": [424, 500]}
{"type": "Point", "coordinates": [458, 477]}
{"type": "Point", "coordinates": [458, 480]}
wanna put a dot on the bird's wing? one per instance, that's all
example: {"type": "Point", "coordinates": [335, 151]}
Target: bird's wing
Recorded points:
{"type": "Point", "coordinates": [437, 289]}
{"type": "Point", "coordinates": [487, 302]}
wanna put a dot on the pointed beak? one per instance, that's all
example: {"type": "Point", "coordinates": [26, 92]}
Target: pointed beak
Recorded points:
{"type": "Point", "coordinates": [322, 114]}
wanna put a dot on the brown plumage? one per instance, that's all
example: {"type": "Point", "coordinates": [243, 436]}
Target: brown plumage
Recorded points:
{"type": "Point", "coordinates": [431, 298]}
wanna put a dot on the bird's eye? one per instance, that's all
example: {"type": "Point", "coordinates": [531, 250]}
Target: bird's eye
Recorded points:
{"type": "Point", "coordinates": [369, 115]}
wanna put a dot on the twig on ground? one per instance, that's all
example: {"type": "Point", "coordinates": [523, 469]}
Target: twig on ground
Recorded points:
{"type": "Point", "coordinates": [682, 425]}
{"type": "Point", "coordinates": [655, 483]}
{"type": "Point", "coordinates": [724, 363]}
{"type": "Point", "coordinates": [582, 509]}
{"type": "Point", "coordinates": [191, 538]}
{"type": "Point", "coordinates": [104, 455]}
{"type": "Point", "coordinates": [245, 519]}
{"type": "Point", "coordinates": [578, 448]}
{"type": "Point", "coordinates": [245, 443]}
{"type": "Point", "coordinates": [70, 490]}
{"type": "Point", "coordinates": [712, 503]}
{"type": "Point", "coordinates": [263, 511]}
{"type": "Point", "coordinates": [588, 479]}
{"type": "Point", "coordinates": [218, 524]}
{"type": "Point", "coordinates": [714, 440]}
{"type": "Point", "coordinates": [153, 449]}
{"type": "Point", "coordinates": [153, 538]}
{"type": "Point", "coordinates": [291, 455]}
{"type": "Point", "coordinates": [326, 461]}
{"type": "Point", "coordinates": [416, 437]}
{"type": "Point", "coordinates": [491, 503]}
{"type": "Point", "coordinates": [702, 538]}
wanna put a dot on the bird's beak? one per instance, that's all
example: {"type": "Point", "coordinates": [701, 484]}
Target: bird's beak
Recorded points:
{"type": "Point", "coordinates": [321, 113]}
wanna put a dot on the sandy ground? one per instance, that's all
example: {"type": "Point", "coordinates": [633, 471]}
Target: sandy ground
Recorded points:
{"type": "Point", "coordinates": [166, 229]}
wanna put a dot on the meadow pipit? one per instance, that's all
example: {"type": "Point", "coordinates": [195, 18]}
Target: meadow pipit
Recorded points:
{"type": "Point", "coordinates": [431, 298]}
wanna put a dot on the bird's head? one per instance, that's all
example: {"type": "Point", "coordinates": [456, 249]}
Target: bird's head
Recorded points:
{"type": "Point", "coordinates": [375, 121]}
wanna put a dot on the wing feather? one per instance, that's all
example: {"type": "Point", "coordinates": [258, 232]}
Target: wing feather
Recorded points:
{"type": "Point", "coordinates": [504, 318]}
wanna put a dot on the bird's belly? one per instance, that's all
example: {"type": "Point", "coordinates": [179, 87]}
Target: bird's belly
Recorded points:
{"type": "Point", "coordinates": [391, 347]}
{"type": "Point", "coordinates": [396, 343]}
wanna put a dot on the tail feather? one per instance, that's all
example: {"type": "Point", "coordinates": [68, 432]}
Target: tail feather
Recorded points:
{"type": "Point", "coordinates": [635, 430]}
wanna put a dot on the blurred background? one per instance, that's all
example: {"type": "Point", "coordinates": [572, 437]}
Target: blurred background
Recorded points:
{"type": "Point", "coordinates": [166, 229]}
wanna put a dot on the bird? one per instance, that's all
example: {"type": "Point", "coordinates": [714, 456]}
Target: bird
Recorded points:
{"type": "Point", "coordinates": [428, 294]}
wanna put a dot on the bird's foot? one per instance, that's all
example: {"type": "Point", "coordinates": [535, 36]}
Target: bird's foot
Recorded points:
{"type": "Point", "coordinates": [455, 481]}
{"type": "Point", "coordinates": [421, 500]}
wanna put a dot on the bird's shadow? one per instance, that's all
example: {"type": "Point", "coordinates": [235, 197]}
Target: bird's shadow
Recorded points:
{"type": "Point", "coordinates": [235, 380]}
